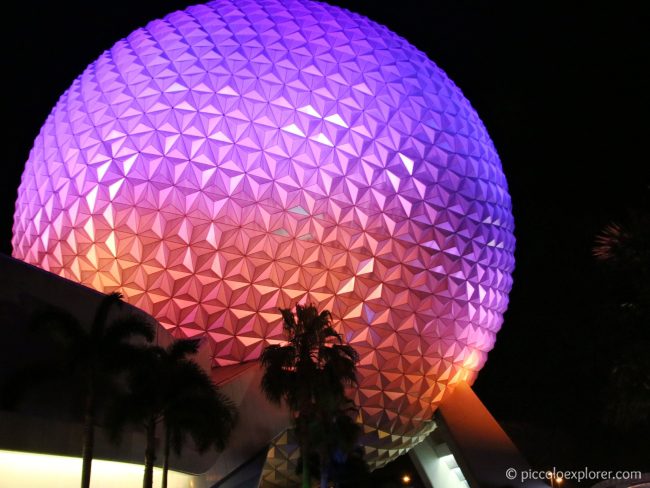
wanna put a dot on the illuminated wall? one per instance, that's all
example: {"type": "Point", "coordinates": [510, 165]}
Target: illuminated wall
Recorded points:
{"type": "Point", "coordinates": [29, 470]}
{"type": "Point", "coordinates": [241, 156]}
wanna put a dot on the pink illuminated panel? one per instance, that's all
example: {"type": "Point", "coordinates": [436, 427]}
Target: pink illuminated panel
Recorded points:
{"type": "Point", "coordinates": [241, 156]}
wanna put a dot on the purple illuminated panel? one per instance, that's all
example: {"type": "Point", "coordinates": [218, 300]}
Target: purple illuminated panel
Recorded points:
{"type": "Point", "coordinates": [241, 156]}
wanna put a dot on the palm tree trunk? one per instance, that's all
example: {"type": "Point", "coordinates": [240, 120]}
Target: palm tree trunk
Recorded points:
{"type": "Point", "coordinates": [168, 440]}
{"type": "Point", "coordinates": [306, 478]}
{"type": "Point", "coordinates": [323, 473]}
{"type": "Point", "coordinates": [88, 436]}
{"type": "Point", "coordinates": [149, 453]}
{"type": "Point", "coordinates": [305, 473]}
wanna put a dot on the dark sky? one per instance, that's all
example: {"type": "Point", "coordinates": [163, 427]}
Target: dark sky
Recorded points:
{"type": "Point", "coordinates": [562, 91]}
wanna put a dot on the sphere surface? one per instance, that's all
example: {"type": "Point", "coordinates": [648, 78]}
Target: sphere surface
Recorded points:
{"type": "Point", "coordinates": [241, 156]}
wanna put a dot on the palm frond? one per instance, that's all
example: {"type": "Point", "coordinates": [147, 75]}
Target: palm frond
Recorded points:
{"type": "Point", "coordinates": [288, 320]}
{"type": "Point", "coordinates": [181, 348]}
{"type": "Point", "coordinates": [125, 328]}
{"type": "Point", "coordinates": [277, 378]}
{"type": "Point", "coordinates": [330, 334]}
{"type": "Point", "coordinates": [102, 313]}
{"type": "Point", "coordinates": [610, 241]}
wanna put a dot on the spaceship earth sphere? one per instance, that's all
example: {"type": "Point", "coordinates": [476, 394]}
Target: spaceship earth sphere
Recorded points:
{"type": "Point", "coordinates": [245, 155]}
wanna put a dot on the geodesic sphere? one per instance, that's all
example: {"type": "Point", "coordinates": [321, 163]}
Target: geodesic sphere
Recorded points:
{"type": "Point", "coordinates": [241, 156]}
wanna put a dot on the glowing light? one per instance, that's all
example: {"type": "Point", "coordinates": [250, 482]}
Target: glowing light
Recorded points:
{"type": "Point", "coordinates": [406, 479]}
{"type": "Point", "coordinates": [241, 156]}
{"type": "Point", "coordinates": [29, 470]}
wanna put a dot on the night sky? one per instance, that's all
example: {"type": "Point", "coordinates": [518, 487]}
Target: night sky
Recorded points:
{"type": "Point", "coordinates": [562, 90]}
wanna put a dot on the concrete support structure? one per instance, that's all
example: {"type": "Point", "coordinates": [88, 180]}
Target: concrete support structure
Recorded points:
{"type": "Point", "coordinates": [468, 448]}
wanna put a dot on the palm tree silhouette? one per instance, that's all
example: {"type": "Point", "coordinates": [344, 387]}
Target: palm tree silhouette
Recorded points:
{"type": "Point", "coordinates": [169, 389]}
{"type": "Point", "coordinates": [310, 373]}
{"type": "Point", "coordinates": [625, 247]}
{"type": "Point", "coordinates": [90, 357]}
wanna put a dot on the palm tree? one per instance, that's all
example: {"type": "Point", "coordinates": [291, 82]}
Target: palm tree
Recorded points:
{"type": "Point", "coordinates": [310, 373]}
{"type": "Point", "coordinates": [625, 247]}
{"type": "Point", "coordinates": [197, 409]}
{"type": "Point", "coordinates": [170, 389]}
{"type": "Point", "coordinates": [91, 357]}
